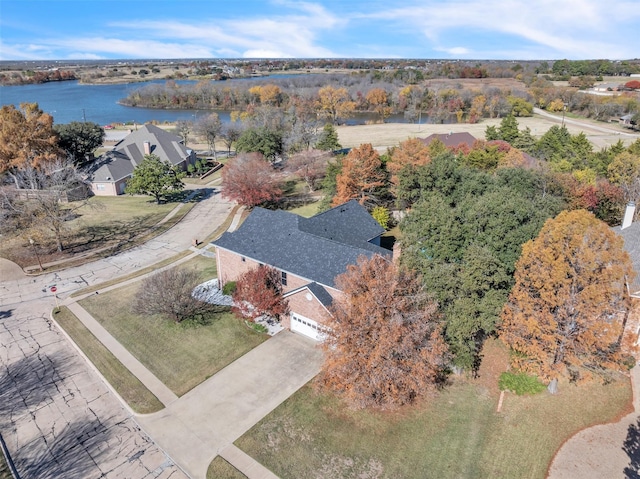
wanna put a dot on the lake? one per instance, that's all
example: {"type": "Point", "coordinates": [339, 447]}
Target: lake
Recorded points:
{"type": "Point", "coordinates": [69, 101]}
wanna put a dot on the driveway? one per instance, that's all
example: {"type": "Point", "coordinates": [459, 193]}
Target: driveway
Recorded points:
{"type": "Point", "coordinates": [196, 427]}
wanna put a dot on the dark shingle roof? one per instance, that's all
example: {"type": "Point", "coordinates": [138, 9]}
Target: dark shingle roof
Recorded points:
{"type": "Point", "coordinates": [631, 237]}
{"type": "Point", "coordinates": [451, 140]}
{"type": "Point", "coordinates": [312, 248]}
{"type": "Point", "coordinates": [128, 153]}
{"type": "Point", "coordinates": [348, 223]}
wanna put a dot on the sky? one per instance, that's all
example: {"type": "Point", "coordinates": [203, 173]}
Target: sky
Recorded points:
{"type": "Point", "coordinates": [458, 29]}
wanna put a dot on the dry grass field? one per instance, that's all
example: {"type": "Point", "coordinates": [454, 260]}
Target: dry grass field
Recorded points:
{"type": "Point", "coordinates": [387, 135]}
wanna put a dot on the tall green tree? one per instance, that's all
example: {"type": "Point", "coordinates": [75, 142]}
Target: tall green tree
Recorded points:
{"type": "Point", "coordinates": [79, 140]}
{"type": "Point", "coordinates": [156, 178]}
{"type": "Point", "coordinates": [464, 234]}
{"type": "Point", "coordinates": [260, 140]}
{"type": "Point", "coordinates": [328, 140]}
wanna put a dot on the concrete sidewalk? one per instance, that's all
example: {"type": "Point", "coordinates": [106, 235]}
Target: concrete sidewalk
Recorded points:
{"type": "Point", "coordinates": [204, 422]}
{"type": "Point", "coordinates": [146, 377]}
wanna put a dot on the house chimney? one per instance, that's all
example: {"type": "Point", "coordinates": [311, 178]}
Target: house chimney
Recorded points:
{"type": "Point", "coordinates": [147, 148]}
{"type": "Point", "coordinates": [628, 215]}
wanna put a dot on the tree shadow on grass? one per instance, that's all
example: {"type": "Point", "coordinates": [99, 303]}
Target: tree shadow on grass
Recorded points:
{"type": "Point", "coordinates": [631, 447]}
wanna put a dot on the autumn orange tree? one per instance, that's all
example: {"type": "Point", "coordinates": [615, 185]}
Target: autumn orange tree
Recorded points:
{"type": "Point", "coordinates": [27, 138]}
{"type": "Point", "coordinates": [250, 180]}
{"type": "Point", "coordinates": [385, 346]}
{"type": "Point", "coordinates": [361, 176]}
{"type": "Point", "coordinates": [566, 312]}
{"type": "Point", "coordinates": [259, 293]}
{"type": "Point", "coordinates": [410, 153]}
{"type": "Point", "coordinates": [335, 103]}
{"type": "Point", "coordinates": [378, 100]}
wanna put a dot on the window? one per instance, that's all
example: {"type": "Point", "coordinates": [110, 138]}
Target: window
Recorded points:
{"type": "Point", "coordinates": [99, 186]}
{"type": "Point", "coordinates": [283, 278]}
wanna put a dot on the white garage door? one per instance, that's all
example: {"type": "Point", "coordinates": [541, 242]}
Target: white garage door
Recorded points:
{"type": "Point", "coordinates": [307, 327]}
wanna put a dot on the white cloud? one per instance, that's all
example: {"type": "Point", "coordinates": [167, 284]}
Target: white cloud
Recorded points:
{"type": "Point", "coordinates": [288, 35]}
{"type": "Point", "coordinates": [455, 51]}
{"type": "Point", "coordinates": [572, 28]}
{"type": "Point", "coordinates": [84, 56]}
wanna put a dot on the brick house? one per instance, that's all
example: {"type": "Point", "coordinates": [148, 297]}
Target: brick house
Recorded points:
{"type": "Point", "coordinates": [309, 253]}
{"type": "Point", "coordinates": [109, 173]}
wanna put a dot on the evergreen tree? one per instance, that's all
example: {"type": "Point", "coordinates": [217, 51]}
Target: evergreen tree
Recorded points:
{"type": "Point", "coordinates": [328, 140]}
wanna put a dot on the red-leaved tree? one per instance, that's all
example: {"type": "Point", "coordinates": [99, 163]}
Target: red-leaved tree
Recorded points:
{"type": "Point", "coordinates": [384, 346]}
{"type": "Point", "coordinates": [259, 293]}
{"type": "Point", "coordinates": [250, 180]}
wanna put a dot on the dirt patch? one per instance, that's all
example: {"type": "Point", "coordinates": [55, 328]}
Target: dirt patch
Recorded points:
{"type": "Point", "coordinates": [495, 361]}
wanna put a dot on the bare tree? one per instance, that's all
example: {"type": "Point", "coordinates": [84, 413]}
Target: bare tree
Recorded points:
{"type": "Point", "coordinates": [184, 128]}
{"type": "Point", "coordinates": [47, 205]}
{"type": "Point", "coordinates": [310, 165]}
{"type": "Point", "coordinates": [209, 127]}
{"type": "Point", "coordinates": [169, 293]}
{"type": "Point", "coordinates": [230, 134]}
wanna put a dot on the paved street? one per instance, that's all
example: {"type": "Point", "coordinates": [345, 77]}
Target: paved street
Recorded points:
{"type": "Point", "coordinates": [57, 417]}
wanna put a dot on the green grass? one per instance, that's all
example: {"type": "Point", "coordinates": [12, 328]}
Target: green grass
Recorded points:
{"type": "Point", "coordinates": [6, 474]}
{"type": "Point", "coordinates": [520, 383]}
{"type": "Point", "coordinates": [139, 398]}
{"type": "Point", "coordinates": [306, 211]}
{"type": "Point", "coordinates": [180, 355]}
{"type": "Point", "coordinates": [455, 434]}
{"type": "Point", "coordinates": [221, 469]}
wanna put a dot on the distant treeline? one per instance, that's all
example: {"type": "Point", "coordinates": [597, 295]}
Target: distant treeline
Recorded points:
{"type": "Point", "coordinates": [29, 76]}
{"type": "Point", "coordinates": [337, 96]}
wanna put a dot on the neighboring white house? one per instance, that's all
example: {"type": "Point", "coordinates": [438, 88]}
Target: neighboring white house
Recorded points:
{"type": "Point", "coordinates": [109, 173]}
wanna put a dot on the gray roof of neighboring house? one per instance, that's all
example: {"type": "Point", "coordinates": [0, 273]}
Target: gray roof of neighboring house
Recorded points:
{"type": "Point", "coordinates": [451, 140]}
{"type": "Point", "coordinates": [631, 237]}
{"type": "Point", "coordinates": [318, 248]}
{"type": "Point", "coordinates": [128, 153]}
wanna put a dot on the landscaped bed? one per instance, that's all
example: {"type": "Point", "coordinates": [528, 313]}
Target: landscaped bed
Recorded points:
{"type": "Point", "coordinates": [455, 434]}
{"type": "Point", "coordinates": [180, 355]}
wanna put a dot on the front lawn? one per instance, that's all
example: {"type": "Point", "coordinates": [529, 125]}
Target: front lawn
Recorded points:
{"type": "Point", "coordinates": [121, 221]}
{"type": "Point", "coordinates": [180, 355]}
{"type": "Point", "coordinates": [456, 434]}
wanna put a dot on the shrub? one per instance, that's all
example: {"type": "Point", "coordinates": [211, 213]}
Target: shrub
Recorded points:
{"type": "Point", "coordinates": [229, 288]}
{"type": "Point", "coordinates": [381, 215]}
{"type": "Point", "coordinates": [520, 383]}
{"type": "Point", "coordinates": [198, 165]}
{"type": "Point", "coordinates": [191, 169]}
{"type": "Point", "coordinates": [168, 293]}
{"type": "Point", "coordinates": [257, 327]}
